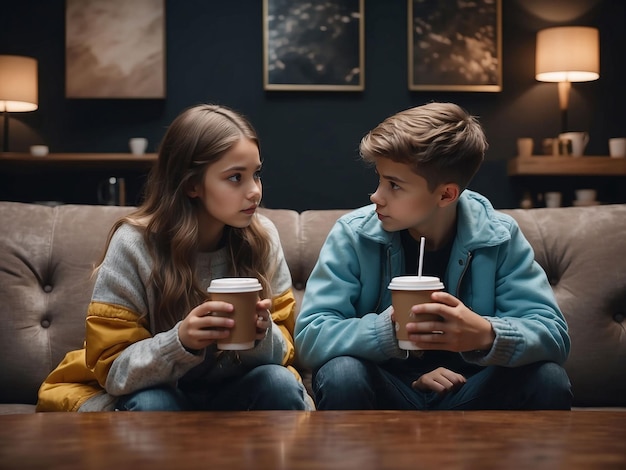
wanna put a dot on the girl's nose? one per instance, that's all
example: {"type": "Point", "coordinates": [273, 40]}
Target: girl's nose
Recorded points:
{"type": "Point", "coordinates": [255, 191]}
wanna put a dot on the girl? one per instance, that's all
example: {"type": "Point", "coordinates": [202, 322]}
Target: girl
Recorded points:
{"type": "Point", "coordinates": [150, 331]}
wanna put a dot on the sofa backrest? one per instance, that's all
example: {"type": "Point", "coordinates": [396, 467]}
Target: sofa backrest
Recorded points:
{"type": "Point", "coordinates": [47, 256]}
{"type": "Point", "coordinates": [583, 251]}
{"type": "Point", "coordinates": [46, 259]}
{"type": "Point", "coordinates": [302, 236]}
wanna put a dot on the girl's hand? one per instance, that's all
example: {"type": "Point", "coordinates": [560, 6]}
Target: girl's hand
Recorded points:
{"type": "Point", "coordinates": [200, 328]}
{"type": "Point", "coordinates": [264, 321]}
{"type": "Point", "coordinates": [440, 380]}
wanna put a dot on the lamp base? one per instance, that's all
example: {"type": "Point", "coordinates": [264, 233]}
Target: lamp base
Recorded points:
{"type": "Point", "coordinates": [564, 124]}
{"type": "Point", "coordinates": [5, 135]}
{"type": "Point", "coordinates": [564, 89]}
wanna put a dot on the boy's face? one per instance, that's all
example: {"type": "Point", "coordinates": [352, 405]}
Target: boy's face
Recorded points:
{"type": "Point", "coordinates": [402, 198]}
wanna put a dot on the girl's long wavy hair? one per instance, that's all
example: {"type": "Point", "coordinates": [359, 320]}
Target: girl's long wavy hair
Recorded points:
{"type": "Point", "coordinates": [197, 138]}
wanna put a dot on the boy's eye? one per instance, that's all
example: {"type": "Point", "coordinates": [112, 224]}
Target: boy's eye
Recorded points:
{"type": "Point", "coordinates": [393, 185]}
{"type": "Point", "coordinates": [235, 178]}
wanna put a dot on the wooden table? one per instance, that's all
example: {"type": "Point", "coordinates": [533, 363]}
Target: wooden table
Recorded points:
{"type": "Point", "coordinates": [305, 440]}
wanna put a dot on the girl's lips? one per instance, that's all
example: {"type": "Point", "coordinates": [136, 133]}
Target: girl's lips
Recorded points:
{"type": "Point", "coordinates": [250, 210]}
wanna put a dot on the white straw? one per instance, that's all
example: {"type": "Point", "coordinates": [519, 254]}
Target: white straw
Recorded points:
{"type": "Point", "coordinates": [421, 259]}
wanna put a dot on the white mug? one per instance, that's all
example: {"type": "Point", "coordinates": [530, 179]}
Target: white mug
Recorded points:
{"type": "Point", "coordinates": [617, 147]}
{"type": "Point", "coordinates": [579, 141]}
{"type": "Point", "coordinates": [138, 145]}
{"type": "Point", "coordinates": [525, 146]}
{"type": "Point", "coordinates": [553, 199]}
{"type": "Point", "coordinates": [586, 195]}
{"type": "Point", "coordinates": [39, 150]}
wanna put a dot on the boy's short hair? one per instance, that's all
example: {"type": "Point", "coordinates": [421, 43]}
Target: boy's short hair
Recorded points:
{"type": "Point", "coordinates": [439, 141]}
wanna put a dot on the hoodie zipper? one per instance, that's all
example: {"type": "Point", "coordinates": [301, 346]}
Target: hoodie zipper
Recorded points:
{"type": "Point", "coordinates": [382, 276]}
{"type": "Point", "coordinates": [465, 268]}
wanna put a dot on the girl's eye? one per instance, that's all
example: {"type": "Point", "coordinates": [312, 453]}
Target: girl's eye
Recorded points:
{"type": "Point", "coordinates": [236, 178]}
{"type": "Point", "coordinates": [257, 175]}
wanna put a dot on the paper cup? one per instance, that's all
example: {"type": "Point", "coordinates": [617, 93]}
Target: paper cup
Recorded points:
{"type": "Point", "coordinates": [407, 291]}
{"type": "Point", "coordinates": [242, 293]}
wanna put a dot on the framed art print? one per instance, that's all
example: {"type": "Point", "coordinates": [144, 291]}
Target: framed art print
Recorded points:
{"type": "Point", "coordinates": [313, 45]}
{"type": "Point", "coordinates": [455, 46]}
{"type": "Point", "coordinates": [115, 49]}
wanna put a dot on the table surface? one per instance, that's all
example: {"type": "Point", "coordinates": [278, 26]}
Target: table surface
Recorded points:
{"type": "Point", "coordinates": [320, 439]}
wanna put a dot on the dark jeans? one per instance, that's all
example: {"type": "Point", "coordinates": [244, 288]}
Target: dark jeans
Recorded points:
{"type": "Point", "coordinates": [267, 387]}
{"type": "Point", "coordinates": [346, 382]}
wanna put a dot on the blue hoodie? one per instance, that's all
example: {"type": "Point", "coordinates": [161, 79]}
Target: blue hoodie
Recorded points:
{"type": "Point", "coordinates": [346, 306]}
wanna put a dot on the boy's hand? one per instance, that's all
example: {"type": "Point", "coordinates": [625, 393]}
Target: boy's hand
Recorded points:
{"type": "Point", "coordinates": [440, 380]}
{"type": "Point", "coordinates": [461, 329]}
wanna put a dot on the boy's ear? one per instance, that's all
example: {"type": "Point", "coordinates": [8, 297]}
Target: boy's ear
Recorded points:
{"type": "Point", "coordinates": [449, 193]}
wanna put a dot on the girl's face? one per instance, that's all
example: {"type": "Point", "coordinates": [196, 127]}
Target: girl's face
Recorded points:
{"type": "Point", "coordinates": [402, 198]}
{"type": "Point", "coordinates": [229, 193]}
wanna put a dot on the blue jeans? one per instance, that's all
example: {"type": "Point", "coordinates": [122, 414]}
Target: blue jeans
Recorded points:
{"type": "Point", "coordinates": [345, 383]}
{"type": "Point", "coordinates": [266, 387]}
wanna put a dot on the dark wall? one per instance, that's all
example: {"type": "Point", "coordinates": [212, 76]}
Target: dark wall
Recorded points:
{"type": "Point", "coordinates": [310, 139]}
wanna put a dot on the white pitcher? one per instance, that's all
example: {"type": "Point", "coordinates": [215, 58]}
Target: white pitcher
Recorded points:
{"type": "Point", "coordinates": [579, 141]}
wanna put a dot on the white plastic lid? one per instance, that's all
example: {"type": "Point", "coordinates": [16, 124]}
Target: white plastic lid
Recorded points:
{"type": "Point", "coordinates": [415, 283]}
{"type": "Point", "coordinates": [229, 285]}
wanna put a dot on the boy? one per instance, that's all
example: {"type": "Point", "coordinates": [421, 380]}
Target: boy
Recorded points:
{"type": "Point", "coordinates": [504, 338]}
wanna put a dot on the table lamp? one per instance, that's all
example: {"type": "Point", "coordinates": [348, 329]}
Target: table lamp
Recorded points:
{"type": "Point", "coordinates": [18, 88]}
{"type": "Point", "coordinates": [567, 54]}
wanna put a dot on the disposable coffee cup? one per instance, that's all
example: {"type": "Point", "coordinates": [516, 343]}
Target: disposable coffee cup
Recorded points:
{"type": "Point", "coordinates": [242, 293]}
{"type": "Point", "coordinates": [407, 291]}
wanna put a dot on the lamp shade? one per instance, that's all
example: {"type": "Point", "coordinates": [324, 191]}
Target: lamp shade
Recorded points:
{"type": "Point", "coordinates": [18, 83]}
{"type": "Point", "coordinates": [568, 54]}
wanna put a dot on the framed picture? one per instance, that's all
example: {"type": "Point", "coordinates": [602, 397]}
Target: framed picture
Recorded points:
{"type": "Point", "coordinates": [313, 45]}
{"type": "Point", "coordinates": [455, 46]}
{"type": "Point", "coordinates": [115, 49]}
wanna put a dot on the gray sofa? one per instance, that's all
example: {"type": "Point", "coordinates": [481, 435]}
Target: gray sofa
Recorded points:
{"type": "Point", "coordinates": [47, 254]}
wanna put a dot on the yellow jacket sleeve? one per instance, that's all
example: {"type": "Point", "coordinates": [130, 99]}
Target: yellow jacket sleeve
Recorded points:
{"type": "Point", "coordinates": [83, 372]}
{"type": "Point", "coordinates": [284, 316]}
{"type": "Point", "coordinates": [110, 329]}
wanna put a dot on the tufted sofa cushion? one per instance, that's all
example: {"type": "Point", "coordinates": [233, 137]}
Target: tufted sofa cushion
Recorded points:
{"type": "Point", "coordinates": [46, 258]}
{"type": "Point", "coordinates": [47, 255]}
{"type": "Point", "coordinates": [583, 251]}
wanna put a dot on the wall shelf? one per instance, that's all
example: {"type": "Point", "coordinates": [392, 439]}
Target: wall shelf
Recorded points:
{"type": "Point", "coordinates": [566, 166]}
{"type": "Point", "coordinates": [71, 177]}
{"type": "Point", "coordinates": [92, 160]}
